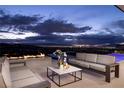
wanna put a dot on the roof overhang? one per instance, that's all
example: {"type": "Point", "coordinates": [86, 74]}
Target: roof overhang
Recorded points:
{"type": "Point", "coordinates": [121, 7]}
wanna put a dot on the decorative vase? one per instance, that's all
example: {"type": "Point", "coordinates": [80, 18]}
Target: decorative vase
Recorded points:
{"type": "Point", "coordinates": [61, 67]}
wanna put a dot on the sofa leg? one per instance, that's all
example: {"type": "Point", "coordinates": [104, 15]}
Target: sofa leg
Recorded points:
{"type": "Point", "coordinates": [108, 74]}
{"type": "Point", "coordinates": [108, 78]}
{"type": "Point", "coordinates": [117, 71]}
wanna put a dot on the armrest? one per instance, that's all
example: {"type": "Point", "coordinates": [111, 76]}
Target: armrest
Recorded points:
{"type": "Point", "coordinates": [0, 67]}
{"type": "Point", "coordinates": [110, 65]}
{"type": "Point", "coordinates": [113, 65]}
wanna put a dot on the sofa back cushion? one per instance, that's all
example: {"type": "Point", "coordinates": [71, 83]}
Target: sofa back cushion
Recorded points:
{"type": "Point", "coordinates": [6, 73]}
{"type": "Point", "coordinates": [91, 57]}
{"type": "Point", "coordinates": [80, 56]}
{"type": "Point", "coordinates": [106, 59]}
{"type": "Point", "coordinates": [2, 84]}
{"type": "Point", "coordinates": [2, 60]}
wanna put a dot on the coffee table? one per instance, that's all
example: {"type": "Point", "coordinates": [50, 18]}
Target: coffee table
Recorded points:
{"type": "Point", "coordinates": [59, 72]}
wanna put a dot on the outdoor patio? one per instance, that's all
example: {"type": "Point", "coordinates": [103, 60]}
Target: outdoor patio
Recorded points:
{"type": "Point", "coordinates": [89, 79]}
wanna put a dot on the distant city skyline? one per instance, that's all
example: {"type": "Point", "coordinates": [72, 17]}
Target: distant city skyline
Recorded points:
{"type": "Point", "coordinates": [101, 24]}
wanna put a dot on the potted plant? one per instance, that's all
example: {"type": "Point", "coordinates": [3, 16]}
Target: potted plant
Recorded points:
{"type": "Point", "coordinates": [62, 58]}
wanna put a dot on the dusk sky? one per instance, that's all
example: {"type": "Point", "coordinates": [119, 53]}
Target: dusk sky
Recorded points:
{"type": "Point", "coordinates": [100, 25]}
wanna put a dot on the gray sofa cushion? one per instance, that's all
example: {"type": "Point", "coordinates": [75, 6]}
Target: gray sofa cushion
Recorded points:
{"type": "Point", "coordinates": [24, 77]}
{"type": "Point", "coordinates": [91, 57]}
{"type": "Point", "coordinates": [73, 61]}
{"type": "Point", "coordinates": [98, 67]}
{"type": "Point", "coordinates": [83, 63]}
{"type": "Point", "coordinates": [25, 82]}
{"type": "Point", "coordinates": [106, 59]}
{"type": "Point", "coordinates": [2, 59]}
{"type": "Point", "coordinates": [20, 72]}
{"type": "Point", "coordinates": [80, 56]}
{"type": "Point", "coordinates": [21, 76]}
{"type": "Point", "coordinates": [43, 84]}
{"type": "Point", "coordinates": [6, 73]}
{"type": "Point", "coordinates": [80, 63]}
{"type": "Point", "coordinates": [34, 81]}
{"type": "Point", "coordinates": [2, 84]}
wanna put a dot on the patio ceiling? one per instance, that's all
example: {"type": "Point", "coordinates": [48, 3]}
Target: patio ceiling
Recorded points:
{"type": "Point", "coordinates": [121, 7]}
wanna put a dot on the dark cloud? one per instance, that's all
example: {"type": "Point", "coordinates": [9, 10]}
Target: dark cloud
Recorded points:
{"type": "Point", "coordinates": [99, 39]}
{"type": "Point", "coordinates": [109, 30]}
{"type": "Point", "coordinates": [47, 27]}
{"type": "Point", "coordinates": [18, 21]}
{"type": "Point", "coordinates": [85, 28]}
{"type": "Point", "coordinates": [119, 24]}
{"type": "Point", "coordinates": [84, 39]}
{"type": "Point", "coordinates": [46, 37]}
{"type": "Point", "coordinates": [54, 25]}
{"type": "Point", "coordinates": [115, 28]}
{"type": "Point", "coordinates": [33, 23]}
{"type": "Point", "coordinates": [2, 12]}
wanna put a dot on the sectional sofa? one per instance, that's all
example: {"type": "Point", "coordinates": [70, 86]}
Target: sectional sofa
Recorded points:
{"type": "Point", "coordinates": [103, 64]}
{"type": "Point", "coordinates": [20, 77]}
